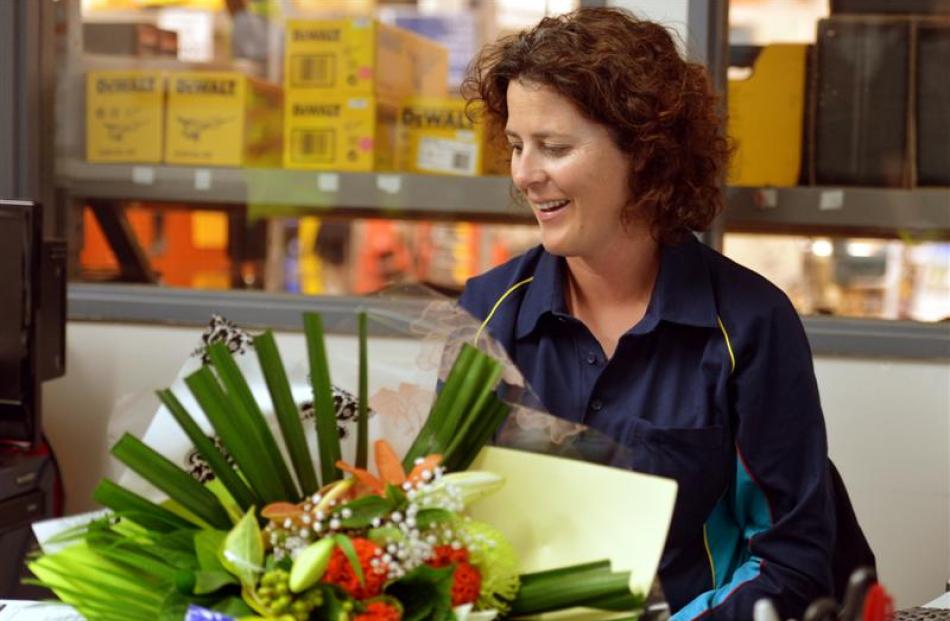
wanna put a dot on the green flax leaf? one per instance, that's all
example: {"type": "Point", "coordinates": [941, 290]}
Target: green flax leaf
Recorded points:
{"type": "Point", "coordinates": [237, 439]}
{"type": "Point", "coordinates": [217, 462]}
{"type": "Point", "coordinates": [362, 421]}
{"type": "Point", "coordinates": [328, 436]}
{"type": "Point", "coordinates": [138, 509]}
{"type": "Point", "coordinates": [171, 479]}
{"type": "Point", "coordinates": [288, 417]}
{"type": "Point", "coordinates": [242, 400]}
{"type": "Point", "coordinates": [424, 443]}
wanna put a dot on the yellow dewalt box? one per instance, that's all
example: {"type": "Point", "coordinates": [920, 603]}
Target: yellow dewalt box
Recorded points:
{"type": "Point", "coordinates": [356, 134]}
{"type": "Point", "coordinates": [435, 135]}
{"type": "Point", "coordinates": [766, 113]}
{"type": "Point", "coordinates": [124, 113]}
{"type": "Point", "coordinates": [223, 119]}
{"type": "Point", "coordinates": [362, 57]}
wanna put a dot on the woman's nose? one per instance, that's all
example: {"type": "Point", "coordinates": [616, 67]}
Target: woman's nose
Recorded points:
{"type": "Point", "coordinates": [526, 170]}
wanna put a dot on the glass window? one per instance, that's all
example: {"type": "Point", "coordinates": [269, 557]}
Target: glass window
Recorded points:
{"type": "Point", "coordinates": [839, 186]}
{"type": "Point", "coordinates": [194, 147]}
{"type": "Point", "coordinates": [202, 143]}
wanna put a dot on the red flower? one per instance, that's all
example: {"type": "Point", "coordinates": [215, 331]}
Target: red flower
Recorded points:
{"type": "Point", "coordinates": [379, 611]}
{"type": "Point", "coordinates": [466, 585]}
{"type": "Point", "coordinates": [466, 580]}
{"type": "Point", "coordinates": [340, 572]}
{"type": "Point", "coordinates": [446, 555]}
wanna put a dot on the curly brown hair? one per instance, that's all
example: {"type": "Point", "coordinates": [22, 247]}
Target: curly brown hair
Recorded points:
{"type": "Point", "coordinates": [627, 74]}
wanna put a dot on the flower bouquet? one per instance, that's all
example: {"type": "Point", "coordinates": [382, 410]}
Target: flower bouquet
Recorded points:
{"type": "Point", "coordinates": [427, 525]}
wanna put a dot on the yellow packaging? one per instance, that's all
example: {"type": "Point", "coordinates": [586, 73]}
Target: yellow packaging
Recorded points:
{"type": "Point", "coordinates": [766, 113]}
{"type": "Point", "coordinates": [124, 116]}
{"type": "Point", "coordinates": [336, 7]}
{"type": "Point", "coordinates": [355, 134]}
{"type": "Point", "coordinates": [435, 135]}
{"type": "Point", "coordinates": [223, 119]}
{"type": "Point", "coordinates": [362, 57]}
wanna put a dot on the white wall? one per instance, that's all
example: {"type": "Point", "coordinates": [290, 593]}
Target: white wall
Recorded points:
{"type": "Point", "coordinates": [889, 434]}
{"type": "Point", "coordinates": [888, 426]}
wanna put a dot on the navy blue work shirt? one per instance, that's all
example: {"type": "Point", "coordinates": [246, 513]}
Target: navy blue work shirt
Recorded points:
{"type": "Point", "coordinates": [713, 387]}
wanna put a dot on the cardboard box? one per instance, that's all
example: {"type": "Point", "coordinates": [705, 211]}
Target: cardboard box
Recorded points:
{"type": "Point", "coordinates": [435, 135]}
{"type": "Point", "coordinates": [223, 119]}
{"type": "Point", "coordinates": [428, 64]}
{"type": "Point", "coordinates": [121, 38]}
{"type": "Point", "coordinates": [168, 43]}
{"type": "Point", "coordinates": [361, 57]}
{"type": "Point", "coordinates": [124, 116]}
{"type": "Point", "coordinates": [456, 30]}
{"type": "Point", "coordinates": [355, 134]}
{"type": "Point", "coordinates": [766, 110]}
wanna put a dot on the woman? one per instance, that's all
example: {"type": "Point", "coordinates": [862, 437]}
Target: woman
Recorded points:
{"type": "Point", "coordinates": [622, 320]}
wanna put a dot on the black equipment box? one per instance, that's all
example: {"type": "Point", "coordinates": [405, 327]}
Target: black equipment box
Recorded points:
{"type": "Point", "coordinates": [890, 7]}
{"type": "Point", "coordinates": [860, 102]}
{"type": "Point", "coordinates": [933, 102]}
{"type": "Point", "coordinates": [27, 482]}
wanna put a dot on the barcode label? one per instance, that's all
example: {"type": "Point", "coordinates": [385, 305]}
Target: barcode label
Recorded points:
{"type": "Point", "coordinates": [461, 161]}
{"type": "Point", "coordinates": [447, 156]}
{"type": "Point", "coordinates": [312, 70]}
{"type": "Point", "coordinates": [313, 145]}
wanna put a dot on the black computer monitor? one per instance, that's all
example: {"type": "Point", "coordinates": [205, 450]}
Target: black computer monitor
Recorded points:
{"type": "Point", "coordinates": [32, 318]}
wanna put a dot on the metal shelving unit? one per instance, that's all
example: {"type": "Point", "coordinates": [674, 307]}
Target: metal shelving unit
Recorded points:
{"type": "Point", "coordinates": [407, 194]}
{"type": "Point", "coordinates": [877, 211]}
{"type": "Point", "coordinates": [845, 210]}
{"type": "Point", "coordinates": [832, 336]}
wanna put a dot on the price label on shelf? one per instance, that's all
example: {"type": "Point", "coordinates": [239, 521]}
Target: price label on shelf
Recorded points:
{"type": "Point", "coordinates": [766, 198]}
{"type": "Point", "coordinates": [328, 182]}
{"type": "Point", "coordinates": [831, 199]}
{"type": "Point", "coordinates": [143, 175]}
{"type": "Point", "coordinates": [202, 179]}
{"type": "Point", "coordinates": [391, 184]}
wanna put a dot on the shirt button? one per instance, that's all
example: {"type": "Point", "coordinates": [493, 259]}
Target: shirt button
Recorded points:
{"type": "Point", "coordinates": [596, 405]}
{"type": "Point", "coordinates": [562, 319]}
{"type": "Point", "coordinates": [591, 358]}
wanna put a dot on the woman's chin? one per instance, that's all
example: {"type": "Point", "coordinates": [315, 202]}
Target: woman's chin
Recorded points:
{"type": "Point", "coordinates": [555, 245]}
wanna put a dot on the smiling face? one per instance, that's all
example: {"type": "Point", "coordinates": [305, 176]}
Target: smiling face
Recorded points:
{"type": "Point", "coordinates": [570, 170]}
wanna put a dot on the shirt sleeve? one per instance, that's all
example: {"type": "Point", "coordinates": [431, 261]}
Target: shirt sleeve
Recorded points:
{"type": "Point", "coordinates": [780, 504]}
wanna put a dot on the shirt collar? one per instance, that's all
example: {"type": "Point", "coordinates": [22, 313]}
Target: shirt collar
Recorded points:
{"type": "Point", "coordinates": [545, 293]}
{"type": "Point", "coordinates": [683, 292]}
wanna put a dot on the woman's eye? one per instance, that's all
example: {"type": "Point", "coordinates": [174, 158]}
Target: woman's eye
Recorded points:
{"type": "Point", "coordinates": [515, 148]}
{"type": "Point", "coordinates": [556, 150]}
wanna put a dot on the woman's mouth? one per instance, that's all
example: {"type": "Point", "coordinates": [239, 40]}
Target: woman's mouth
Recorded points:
{"type": "Point", "coordinates": [549, 209]}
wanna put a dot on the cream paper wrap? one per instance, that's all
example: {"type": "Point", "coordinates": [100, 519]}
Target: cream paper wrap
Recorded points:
{"type": "Point", "coordinates": [558, 512]}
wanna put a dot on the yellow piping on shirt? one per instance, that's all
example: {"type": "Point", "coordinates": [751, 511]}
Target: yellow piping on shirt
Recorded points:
{"type": "Point", "coordinates": [725, 334]}
{"type": "Point", "coordinates": [712, 564]}
{"type": "Point", "coordinates": [491, 314]}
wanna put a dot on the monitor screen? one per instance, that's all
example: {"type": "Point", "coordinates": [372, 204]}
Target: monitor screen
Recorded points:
{"type": "Point", "coordinates": [20, 240]}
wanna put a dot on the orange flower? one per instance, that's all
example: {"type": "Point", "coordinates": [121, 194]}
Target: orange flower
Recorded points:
{"type": "Point", "coordinates": [390, 470]}
{"type": "Point", "coordinates": [466, 579]}
{"type": "Point", "coordinates": [379, 611]}
{"type": "Point", "coordinates": [340, 572]}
